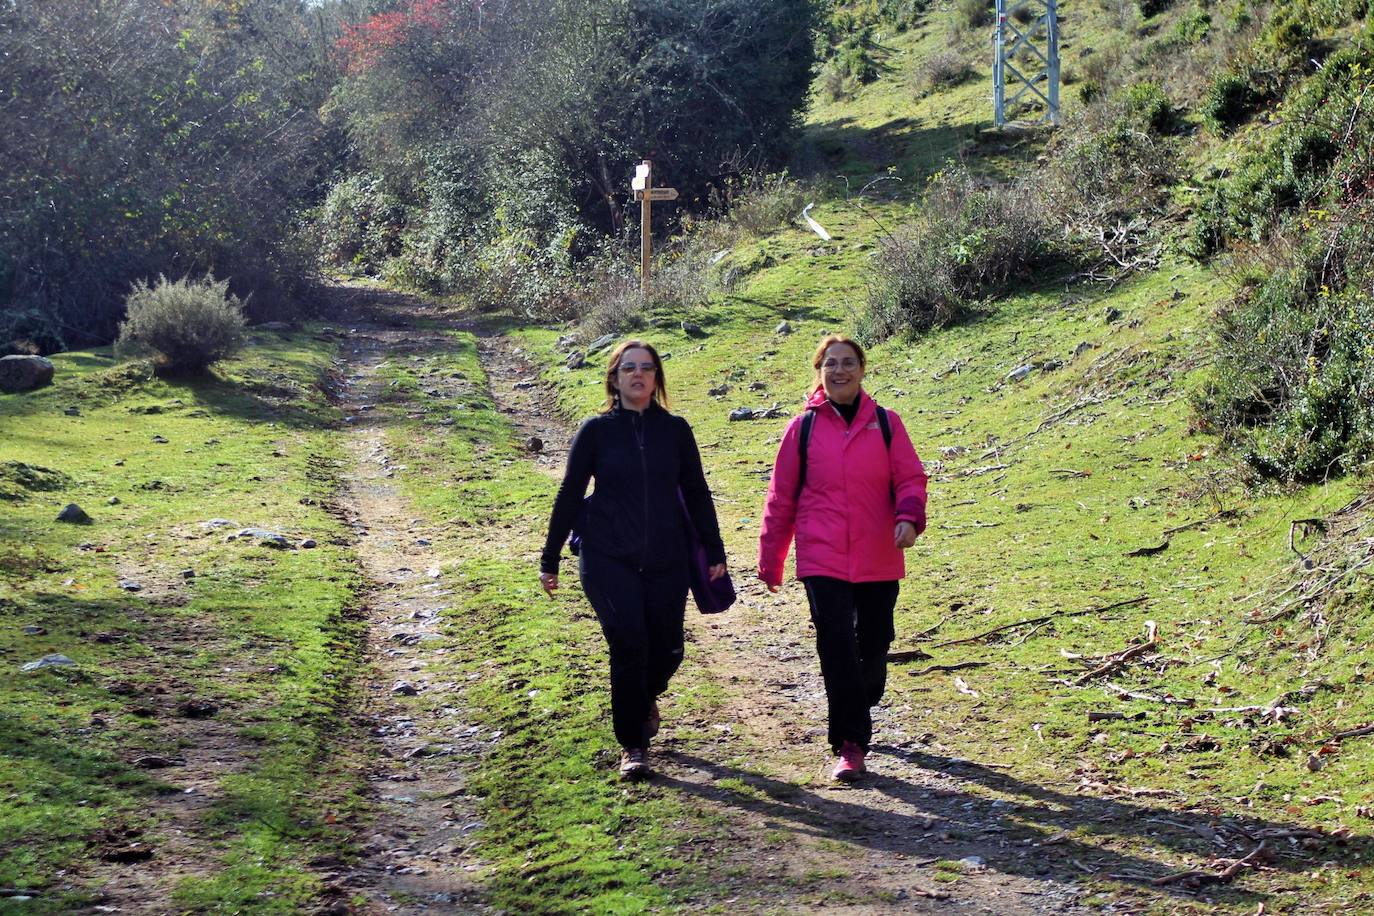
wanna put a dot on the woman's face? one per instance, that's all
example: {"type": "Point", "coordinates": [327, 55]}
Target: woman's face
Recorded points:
{"type": "Point", "coordinates": [841, 373]}
{"type": "Point", "coordinates": [636, 378]}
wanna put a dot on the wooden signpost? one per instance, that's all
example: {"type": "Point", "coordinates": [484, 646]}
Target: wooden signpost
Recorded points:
{"type": "Point", "coordinates": [645, 192]}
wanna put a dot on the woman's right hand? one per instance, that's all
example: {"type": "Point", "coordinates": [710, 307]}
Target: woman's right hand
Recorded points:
{"type": "Point", "coordinates": [549, 582]}
{"type": "Point", "coordinates": [771, 586]}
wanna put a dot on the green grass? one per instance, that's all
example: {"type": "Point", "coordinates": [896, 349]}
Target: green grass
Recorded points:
{"type": "Point", "coordinates": [266, 635]}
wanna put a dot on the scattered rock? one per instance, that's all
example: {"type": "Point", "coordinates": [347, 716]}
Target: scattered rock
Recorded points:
{"type": "Point", "coordinates": [576, 360]}
{"type": "Point", "coordinates": [73, 514]}
{"type": "Point", "coordinates": [264, 537]}
{"type": "Point", "coordinates": [215, 523]}
{"type": "Point", "coordinates": [973, 862]}
{"type": "Point", "coordinates": [953, 451]}
{"type": "Point", "coordinates": [404, 689]}
{"type": "Point", "coordinates": [1020, 373]}
{"type": "Point", "coordinates": [1050, 365]}
{"type": "Point", "coordinates": [758, 413]}
{"type": "Point", "coordinates": [783, 328]}
{"type": "Point", "coordinates": [129, 585]}
{"type": "Point", "coordinates": [692, 330]}
{"type": "Point", "coordinates": [309, 544]}
{"type": "Point", "coordinates": [34, 630]}
{"type": "Point", "coordinates": [73, 411]}
{"type": "Point", "coordinates": [566, 342]}
{"type": "Point", "coordinates": [126, 855]}
{"type": "Point", "coordinates": [49, 661]}
{"type": "Point", "coordinates": [758, 386]}
{"type": "Point", "coordinates": [160, 440]}
{"type": "Point", "coordinates": [605, 340]}
{"type": "Point", "coordinates": [197, 709]}
{"type": "Point", "coordinates": [1111, 313]}
{"type": "Point", "coordinates": [525, 385]}
{"type": "Point", "coordinates": [158, 762]}
{"type": "Point", "coordinates": [719, 391]}
{"type": "Point", "coordinates": [112, 501]}
{"type": "Point", "coordinates": [272, 326]}
{"type": "Point", "coordinates": [188, 574]}
{"type": "Point", "coordinates": [24, 373]}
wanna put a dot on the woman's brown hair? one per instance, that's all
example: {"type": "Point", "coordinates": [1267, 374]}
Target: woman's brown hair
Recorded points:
{"type": "Point", "coordinates": [829, 341]}
{"type": "Point", "coordinates": [613, 368]}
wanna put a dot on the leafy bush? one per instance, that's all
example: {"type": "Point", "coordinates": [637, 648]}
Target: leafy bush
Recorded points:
{"type": "Point", "coordinates": [1193, 25]}
{"type": "Point", "coordinates": [764, 203]}
{"type": "Point", "coordinates": [1148, 108]}
{"type": "Point", "coordinates": [973, 14]}
{"type": "Point", "coordinates": [1293, 386]}
{"type": "Point", "coordinates": [1150, 8]}
{"type": "Point", "coordinates": [360, 225]}
{"type": "Point", "coordinates": [1233, 97]}
{"type": "Point", "coordinates": [971, 238]}
{"type": "Point", "coordinates": [190, 324]}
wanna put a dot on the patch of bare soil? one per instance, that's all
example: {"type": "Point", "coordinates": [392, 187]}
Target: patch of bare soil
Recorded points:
{"type": "Point", "coordinates": [415, 848]}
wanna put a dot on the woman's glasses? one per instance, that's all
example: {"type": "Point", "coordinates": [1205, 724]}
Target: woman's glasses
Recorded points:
{"type": "Point", "coordinates": [849, 364]}
{"type": "Point", "coordinates": [629, 368]}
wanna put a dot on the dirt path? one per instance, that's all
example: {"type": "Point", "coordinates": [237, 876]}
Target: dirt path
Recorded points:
{"type": "Point", "coordinates": [415, 852]}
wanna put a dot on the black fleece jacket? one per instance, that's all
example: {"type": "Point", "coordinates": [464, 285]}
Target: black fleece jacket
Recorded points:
{"type": "Point", "coordinates": [639, 462]}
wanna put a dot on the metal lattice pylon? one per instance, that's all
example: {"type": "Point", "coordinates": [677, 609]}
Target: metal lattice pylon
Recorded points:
{"type": "Point", "coordinates": [1028, 30]}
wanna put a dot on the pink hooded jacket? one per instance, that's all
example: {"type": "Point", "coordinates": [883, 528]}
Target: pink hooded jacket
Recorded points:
{"type": "Point", "coordinates": [843, 520]}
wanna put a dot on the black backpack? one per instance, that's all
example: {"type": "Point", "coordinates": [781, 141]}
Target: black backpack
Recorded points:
{"type": "Point", "coordinates": [809, 420]}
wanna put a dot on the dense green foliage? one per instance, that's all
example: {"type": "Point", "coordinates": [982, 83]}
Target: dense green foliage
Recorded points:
{"type": "Point", "coordinates": [145, 137]}
{"type": "Point", "coordinates": [188, 324]}
{"type": "Point", "coordinates": [498, 144]}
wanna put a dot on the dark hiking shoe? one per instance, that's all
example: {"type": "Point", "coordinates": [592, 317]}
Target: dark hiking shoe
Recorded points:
{"type": "Point", "coordinates": [652, 723]}
{"type": "Point", "coordinates": [634, 763]}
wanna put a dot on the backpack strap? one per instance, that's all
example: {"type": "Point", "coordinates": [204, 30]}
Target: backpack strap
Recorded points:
{"type": "Point", "coordinates": [808, 421]}
{"type": "Point", "coordinates": [885, 426]}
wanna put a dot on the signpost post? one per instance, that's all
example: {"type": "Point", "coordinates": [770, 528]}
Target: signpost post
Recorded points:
{"type": "Point", "coordinates": [645, 192]}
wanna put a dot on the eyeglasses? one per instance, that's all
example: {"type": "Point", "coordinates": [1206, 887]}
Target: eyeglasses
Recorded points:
{"type": "Point", "coordinates": [848, 364]}
{"type": "Point", "coordinates": [629, 368]}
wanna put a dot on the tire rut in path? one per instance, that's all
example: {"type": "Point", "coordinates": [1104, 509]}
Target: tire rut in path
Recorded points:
{"type": "Point", "coordinates": [416, 856]}
{"type": "Point", "coordinates": [866, 848]}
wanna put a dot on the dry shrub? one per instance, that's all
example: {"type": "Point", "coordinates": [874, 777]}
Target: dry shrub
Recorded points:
{"type": "Point", "coordinates": [943, 69]}
{"type": "Point", "coordinates": [189, 324]}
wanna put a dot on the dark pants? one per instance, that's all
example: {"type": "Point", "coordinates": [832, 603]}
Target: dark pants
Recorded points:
{"type": "Point", "coordinates": [853, 631]}
{"type": "Point", "coordinates": [641, 614]}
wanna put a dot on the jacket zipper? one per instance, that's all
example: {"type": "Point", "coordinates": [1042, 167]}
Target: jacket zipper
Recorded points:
{"type": "Point", "coordinates": [637, 422]}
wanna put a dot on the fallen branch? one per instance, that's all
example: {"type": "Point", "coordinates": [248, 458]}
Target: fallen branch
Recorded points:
{"type": "Point", "coordinates": [1148, 551]}
{"type": "Point", "coordinates": [960, 666]}
{"type": "Point", "coordinates": [1353, 733]}
{"type": "Point", "coordinates": [1030, 620]}
{"type": "Point", "coordinates": [932, 629]}
{"type": "Point", "coordinates": [1120, 659]}
{"type": "Point", "coordinates": [1198, 876]}
{"type": "Point", "coordinates": [907, 655]}
{"type": "Point", "coordinates": [1148, 697]}
{"type": "Point", "coordinates": [1223, 514]}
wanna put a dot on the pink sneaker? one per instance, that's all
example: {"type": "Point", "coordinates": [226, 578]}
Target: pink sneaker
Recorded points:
{"type": "Point", "coordinates": [851, 763]}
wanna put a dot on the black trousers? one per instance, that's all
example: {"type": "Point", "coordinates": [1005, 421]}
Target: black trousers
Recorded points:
{"type": "Point", "coordinates": [853, 632]}
{"type": "Point", "coordinates": [641, 614]}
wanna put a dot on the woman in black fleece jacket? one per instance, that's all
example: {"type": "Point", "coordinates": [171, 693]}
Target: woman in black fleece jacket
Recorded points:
{"type": "Point", "coordinates": [634, 544]}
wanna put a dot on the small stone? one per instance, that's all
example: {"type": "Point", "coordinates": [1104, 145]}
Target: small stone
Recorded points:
{"type": "Point", "coordinates": [73, 514]}
{"type": "Point", "coordinates": [605, 340]}
{"type": "Point", "coordinates": [576, 360]}
{"type": "Point", "coordinates": [158, 762]}
{"type": "Point", "coordinates": [742, 413]}
{"type": "Point", "coordinates": [129, 585]}
{"type": "Point", "coordinates": [757, 386]}
{"type": "Point", "coordinates": [972, 862]}
{"type": "Point", "coordinates": [691, 329]}
{"type": "Point", "coordinates": [1111, 313]}
{"type": "Point", "coordinates": [719, 391]}
{"type": "Point", "coordinates": [404, 689]}
{"type": "Point", "coordinates": [112, 501]}
{"type": "Point", "coordinates": [161, 440]}
{"type": "Point", "coordinates": [1020, 373]}
{"type": "Point", "coordinates": [49, 661]}
{"type": "Point", "coordinates": [134, 852]}
{"type": "Point", "coordinates": [565, 342]}
{"type": "Point", "coordinates": [34, 630]}
{"type": "Point", "coordinates": [188, 574]}
{"type": "Point", "coordinates": [423, 542]}
{"type": "Point", "coordinates": [783, 328]}
{"type": "Point", "coordinates": [265, 538]}
{"type": "Point", "coordinates": [534, 444]}
{"type": "Point", "coordinates": [309, 544]}
{"type": "Point", "coordinates": [1050, 365]}
{"type": "Point", "coordinates": [525, 385]}
{"type": "Point", "coordinates": [73, 411]}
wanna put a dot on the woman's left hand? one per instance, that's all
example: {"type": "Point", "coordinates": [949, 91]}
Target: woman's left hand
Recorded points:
{"type": "Point", "coordinates": [904, 535]}
{"type": "Point", "coordinates": [718, 570]}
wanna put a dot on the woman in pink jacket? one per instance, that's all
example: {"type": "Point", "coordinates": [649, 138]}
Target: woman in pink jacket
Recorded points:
{"type": "Point", "coordinates": [848, 485]}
